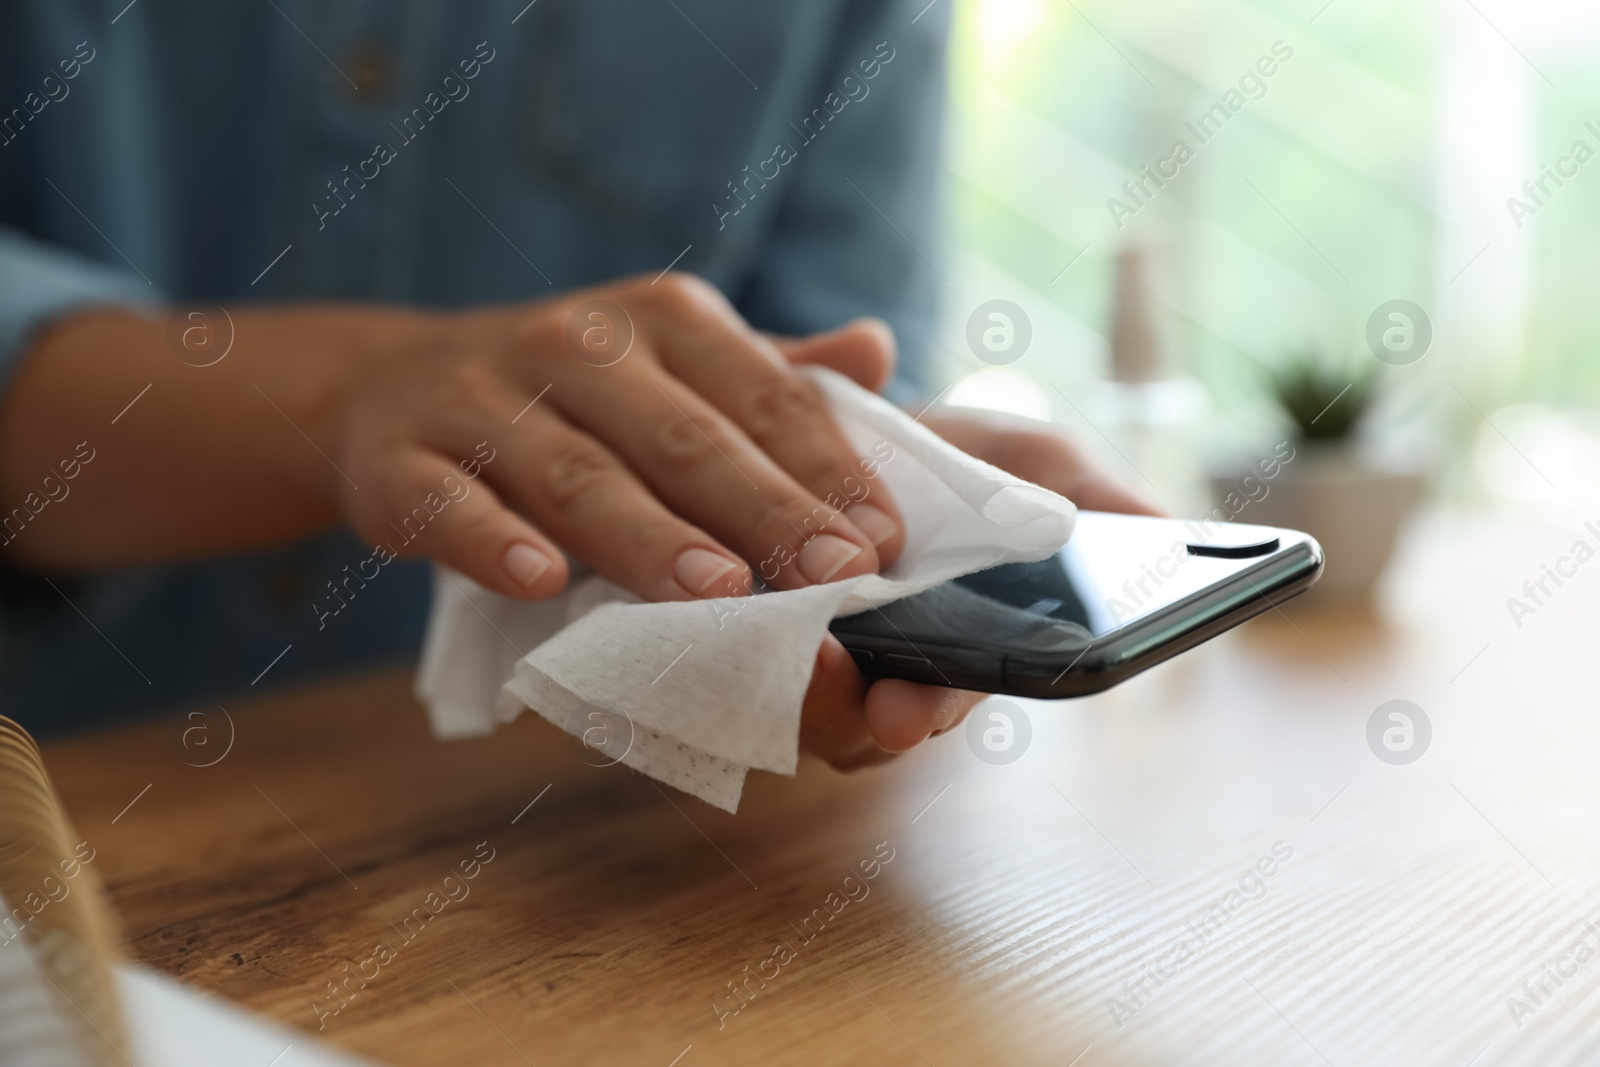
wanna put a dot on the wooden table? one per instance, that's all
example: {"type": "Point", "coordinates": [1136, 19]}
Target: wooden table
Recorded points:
{"type": "Point", "coordinates": [1020, 899]}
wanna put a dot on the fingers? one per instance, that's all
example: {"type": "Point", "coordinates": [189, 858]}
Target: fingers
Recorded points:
{"type": "Point", "coordinates": [706, 346]}
{"type": "Point", "coordinates": [851, 725]}
{"type": "Point", "coordinates": [702, 466]}
{"type": "Point", "coordinates": [1053, 460]}
{"type": "Point", "coordinates": [1038, 453]}
{"type": "Point", "coordinates": [863, 350]}
{"type": "Point", "coordinates": [787, 417]}
{"type": "Point", "coordinates": [1100, 493]}
{"type": "Point", "coordinates": [428, 505]}
{"type": "Point", "coordinates": [584, 497]}
{"type": "Point", "coordinates": [681, 471]}
{"type": "Point", "coordinates": [832, 717]}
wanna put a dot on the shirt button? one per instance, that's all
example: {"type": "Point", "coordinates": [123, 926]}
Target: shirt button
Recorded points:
{"type": "Point", "coordinates": [369, 68]}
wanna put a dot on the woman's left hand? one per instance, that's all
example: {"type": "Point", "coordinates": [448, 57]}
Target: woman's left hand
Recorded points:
{"type": "Point", "coordinates": [845, 720]}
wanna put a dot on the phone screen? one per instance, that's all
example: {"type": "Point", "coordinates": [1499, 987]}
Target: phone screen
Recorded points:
{"type": "Point", "coordinates": [1115, 570]}
{"type": "Point", "coordinates": [1126, 592]}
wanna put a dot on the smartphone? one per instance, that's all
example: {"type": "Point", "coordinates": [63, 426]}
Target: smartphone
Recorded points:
{"type": "Point", "coordinates": [1127, 592]}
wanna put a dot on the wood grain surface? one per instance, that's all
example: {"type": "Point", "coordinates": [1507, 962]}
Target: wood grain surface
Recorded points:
{"type": "Point", "coordinates": [1103, 900]}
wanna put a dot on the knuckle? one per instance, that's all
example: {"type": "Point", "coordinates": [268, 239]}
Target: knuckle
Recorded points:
{"type": "Point", "coordinates": [473, 385]}
{"type": "Point", "coordinates": [833, 477]}
{"type": "Point", "coordinates": [686, 440]}
{"type": "Point", "coordinates": [649, 540]}
{"type": "Point", "coordinates": [680, 291]}
{"type": "Point", "coordinates": [481, 531]}
{"type": "Point", "coordinates": [782, 402]}
{"type": "Point", "coordinates": [539, 332]}
{"type": "Point", "coordinates": [575, 468]}
{"type": "Point", "coordinates": [687, 286]}
{"type": "Point", "coordinates": [792, 522]}
{"type": "Point", "coordinates": [645, 540]}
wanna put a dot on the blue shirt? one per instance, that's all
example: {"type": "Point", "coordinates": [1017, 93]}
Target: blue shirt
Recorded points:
{"type": "Point", "coordinates": [191, 153]}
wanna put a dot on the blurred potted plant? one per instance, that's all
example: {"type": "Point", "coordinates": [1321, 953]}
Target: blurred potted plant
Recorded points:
{"type": "Point", "coordinates": [1351, 497]}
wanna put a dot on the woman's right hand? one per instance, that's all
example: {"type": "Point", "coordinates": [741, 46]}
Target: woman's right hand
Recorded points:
{"type": "Point", "coordinates": [642, 427]}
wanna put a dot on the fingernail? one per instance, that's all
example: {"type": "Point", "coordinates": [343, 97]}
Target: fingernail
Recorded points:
{"type": "Point", "coordinates": [697, 569]}
{"type": "Point", "coordinates": [825, 555]}
{"type": "Point", "coordinates": [872, 521]}
{"type": "Point", "coordinates": [525, 563]}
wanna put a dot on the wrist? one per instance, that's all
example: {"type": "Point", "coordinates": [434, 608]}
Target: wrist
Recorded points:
{"type": "Point", "coordinates": [316, 360]}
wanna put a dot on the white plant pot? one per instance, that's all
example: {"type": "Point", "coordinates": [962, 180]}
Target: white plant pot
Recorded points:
{"type": "Point", "coordinates": [1353, 501]}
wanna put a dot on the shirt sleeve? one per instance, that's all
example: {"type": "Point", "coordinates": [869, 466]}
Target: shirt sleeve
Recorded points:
{"type": "Point", "coordinates": [858, 231]}
{"type": "Point", "coordinates": [40, 283]}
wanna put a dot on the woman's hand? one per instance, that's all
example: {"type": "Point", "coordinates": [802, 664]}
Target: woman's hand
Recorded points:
{"type": "Point", "coordinates": [1037, 452]}
{"type": "Point", "coordinates": [699, 443]}
{"type": "Point", "coordinates": [852, 724]}
{"type": "Point", "coordinates": [643, 428]}
{"type": "Point", "coordinates": [844, 720]}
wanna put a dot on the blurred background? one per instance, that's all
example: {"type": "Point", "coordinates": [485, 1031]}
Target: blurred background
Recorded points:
{"type": "Point", "coordinates": [1373, 165]}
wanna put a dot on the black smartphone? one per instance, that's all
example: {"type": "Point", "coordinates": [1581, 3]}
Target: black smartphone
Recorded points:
{"type": "Point", "coordinates": [1127, 592]}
